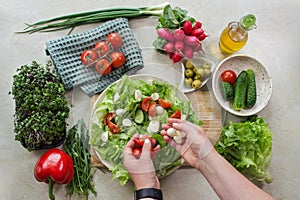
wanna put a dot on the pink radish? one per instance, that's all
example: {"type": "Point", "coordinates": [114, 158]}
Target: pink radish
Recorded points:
{"type": "Point", "coordinates": [169, 47]}
{"type": "Point", "coordinates": [198, 48]}
{"type": "Point", "coordinates": [179, 34]}
{"type": "Point", "coordinates": [197, 25]}
{"type": "Point", "coordinates": [191, 40]}
{"type": "Point", "coordinates": [177, 57]}
{"type": "Point", "coordinates": [197, 32]}
{"type": "Point", "coordinates": [188, 52]}
{"type": "Point", "coordinates": [202, 36]}
{"type": "Point", "coordinates": [179, 45]}
{"type": "Point", "coordinates": [166, 34]}
{"type": "Point", "coordinates": [187, 27]}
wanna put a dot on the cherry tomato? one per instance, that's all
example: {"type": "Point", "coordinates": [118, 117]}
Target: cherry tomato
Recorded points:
{"type": "Point", "coordinates": [103, 66]}
{"type": "Point", "coordinates": [88, 57]}
{"type": "Point", "coordinates": [228, 76]}
{"type": "Point", "coordinates": [152, 109]}
{"type": "Point", "coordinates": [164, 103]}
{"type": "Point", "coordinates": [137, 152]}
{"type": "Point", "coordinates": [176, 114]}
{"type": "Point", "coordinates": [115, 39]}
{"type": "Point", "coordinates": [101, 48]}
{"type": "Point", "coordinates": [139, 142]}
{"type": "Point", "coordinates": [146, 103]}
{"type": "Point", "coordinates": [117, 59]}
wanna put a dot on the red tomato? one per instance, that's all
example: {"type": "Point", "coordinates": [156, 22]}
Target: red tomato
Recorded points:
{"type": "Point", "coordinates": [114, 128]}
{"type": "Point", "coordinates": [228, 76]}
{"type": "Point", "coordinates": [103, 66]}
{"type": "Point", "coordinates": [176, 114]}
{"type": "Point", "coordinates": [164, 103]}
{"type": "Point", "coordinates": [152, 109]}
{"type": "Point", "coordinates": [107, 118]}
{"type": "Point", "coordinates": [137, 152]}
{"type": "Point", "coordinates": [88, 57]}
{"type": "Point", "coordinates": [101, 48]}
{"type": "Point", "coordinates": [115, 39]}
{"type": "Point", "coordinates": [146, 103]}
{"type": "Point", "coordinates": [117, 59]}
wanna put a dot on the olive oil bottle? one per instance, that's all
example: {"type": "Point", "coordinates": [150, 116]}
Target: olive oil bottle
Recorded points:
{"type": "Point", "coordinates": [234, 37]}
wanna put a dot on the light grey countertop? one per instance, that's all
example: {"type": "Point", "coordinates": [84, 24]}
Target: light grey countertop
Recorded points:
{"type": "Point", "coordinates": [274, 43]}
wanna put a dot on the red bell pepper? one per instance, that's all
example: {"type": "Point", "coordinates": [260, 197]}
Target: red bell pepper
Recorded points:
{"type": "Point", "coordinates": [54, 166]}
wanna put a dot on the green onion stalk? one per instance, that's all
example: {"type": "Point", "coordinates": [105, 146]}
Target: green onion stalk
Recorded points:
{"type": "Point", "coordinates": [72, 20]}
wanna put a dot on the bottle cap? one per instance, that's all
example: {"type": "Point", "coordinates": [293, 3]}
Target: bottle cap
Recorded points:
{"type": "Point", "coordinates": [248, 22]}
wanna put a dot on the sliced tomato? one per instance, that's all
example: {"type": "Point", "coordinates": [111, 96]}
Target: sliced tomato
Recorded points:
{"type": "Point", "coordinates": [176, 114]}
{"type": "Point", "coordinates": [107, 118]}
{"type": "Point", "coordinates": [137, 152]}
{"type": "Point", "coordinates": [164, 103]}
{"type": "Point", "coordinates": [146, 103]}
{"type": "Point", "coordinates": [114, 128]}
{"type": "Point", "coordinates": [152, 109]}
{"type": "Point", "coordinates": [139, 142]}
{"type": "Point", "coordinates": [101, 48]}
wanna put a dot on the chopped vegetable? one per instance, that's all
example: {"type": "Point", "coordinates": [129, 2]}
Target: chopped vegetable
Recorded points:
{"type": "Point", "coordinates": [41, 107]}
{"type": "Point", "coordinates": [54, 166]}
{"type": "Point", "coordinates": [76, 145]}
{"type": "Point", "coordinates": [78, 19]}
{"type": "Point", "coordinates": [248, 147]}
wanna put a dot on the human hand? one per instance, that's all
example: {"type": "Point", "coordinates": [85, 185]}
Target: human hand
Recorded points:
{"type": "Point", "coordinates": [141, 170]}
{"type": "Point", "coordinates": [194, 147]}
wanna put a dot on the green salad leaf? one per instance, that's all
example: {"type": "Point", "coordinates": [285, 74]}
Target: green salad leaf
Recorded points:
{"type": "Point", "coordinates": [111, 150]}
{"type": "Point", "coordinates": [248, 147]}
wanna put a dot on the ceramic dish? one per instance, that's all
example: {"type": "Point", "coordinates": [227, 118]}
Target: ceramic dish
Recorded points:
{"type": "Point", "coordinates": [238, 63]}
{"type": "Point", "coordinates": [197, 61]}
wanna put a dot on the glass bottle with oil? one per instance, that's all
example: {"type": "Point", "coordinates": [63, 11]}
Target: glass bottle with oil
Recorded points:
{"type": "Point", "coordinates": [235, 35]}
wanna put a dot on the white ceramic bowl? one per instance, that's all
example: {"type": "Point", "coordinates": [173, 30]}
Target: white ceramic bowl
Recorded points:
{"type": "Point", "coordinates": [238, 63]}
{"type": "Point", "coordinates": [198, 61]}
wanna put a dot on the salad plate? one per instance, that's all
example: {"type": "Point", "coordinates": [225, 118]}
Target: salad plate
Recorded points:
{"type": "Point", "coordinates": [120, 98]}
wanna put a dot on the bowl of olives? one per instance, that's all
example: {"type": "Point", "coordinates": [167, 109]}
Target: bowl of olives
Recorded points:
{"type": "Point", "coordinates": [195, 73]}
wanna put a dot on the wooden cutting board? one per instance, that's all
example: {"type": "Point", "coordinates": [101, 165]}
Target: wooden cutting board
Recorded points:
{"type": "Point", "coordinates": [206, 109]}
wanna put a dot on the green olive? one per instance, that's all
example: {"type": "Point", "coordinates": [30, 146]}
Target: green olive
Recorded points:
{"type": "Point", "coordinates": [198, 77]}
{"type": "Point", "coordinates": [206, 65]}
{"type": "Point", "coordinates": [196, 84]}
{"type": "Point", "coordinates": [189, 73]}
{"type": "Point", "coordinates": [207, 72]}
{"type": "Point", "coordinates": [189, 65]}
{"type": "Point", "coordinates": [201, 71]}
{"type": "Point", "coordinates": [188, 82]}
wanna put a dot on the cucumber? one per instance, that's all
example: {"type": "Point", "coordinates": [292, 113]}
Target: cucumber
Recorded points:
{"type": "Point", "coordinates": [139, 116]}
{"type": "Point", "coordinates": [251, 89]}
{"type": "Point", "coordinates": [240, 91]}
{"type": "Point", "coordinates": [227, 91]}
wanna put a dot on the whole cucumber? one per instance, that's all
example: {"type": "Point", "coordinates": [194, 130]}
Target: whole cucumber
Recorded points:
{"type": "Point", "coordinates": [251, 89]}
{"type": "Point", "coordinates": [240, 91]}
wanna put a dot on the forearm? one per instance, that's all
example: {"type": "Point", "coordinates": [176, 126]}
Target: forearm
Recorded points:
{"type": "Point", "coordinates": [226, 181]}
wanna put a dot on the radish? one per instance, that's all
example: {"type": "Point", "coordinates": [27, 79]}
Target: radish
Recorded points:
{"type": "Point", "coordinates": [179, 34]}
{"type": "Point", "coordinates": [199, 48]}
{"type": "Point", "coordinates": [179, 45]}
{"type": "Point", "coordinates": [169, 47]}
{"type": "Point", "coordinates": [197, 32]}
{"type": "Point", "coordinates": [166, 34]}
{"type": "Point", "coordinates": [191, 40]}
{"type": "Point", "coordinates": [177, 57]}
{"type": "Point", "coordinates": [202, 36]}
{"type": "Point", "coordinates": [187, 27]}
{"type": "Point", "coordinates": [188, 52]}
{"type": "Point", "coordinates": [197, 25]}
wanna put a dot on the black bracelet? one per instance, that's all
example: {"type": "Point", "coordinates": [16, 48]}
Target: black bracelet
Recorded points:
{"type": "Point", "coordinates": [148, 192]}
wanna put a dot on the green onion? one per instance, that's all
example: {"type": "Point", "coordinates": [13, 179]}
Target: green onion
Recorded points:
{"type": "Point", "coordinates": [78, 19]}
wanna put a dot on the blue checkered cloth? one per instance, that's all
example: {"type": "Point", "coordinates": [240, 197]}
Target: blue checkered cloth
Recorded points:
{"type": "Point", "coordinates": [66, 52]}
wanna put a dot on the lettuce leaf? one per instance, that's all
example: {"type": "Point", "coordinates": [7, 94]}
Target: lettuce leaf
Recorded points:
{"type": "Point", "coordinates": [248, 147]}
